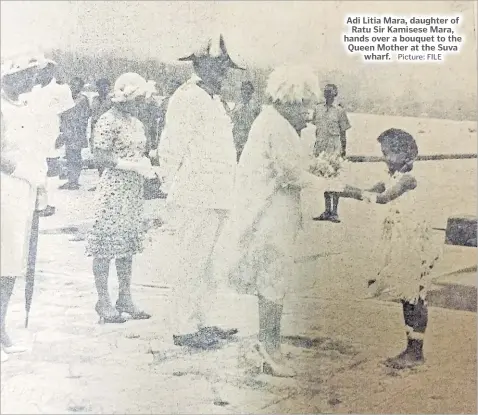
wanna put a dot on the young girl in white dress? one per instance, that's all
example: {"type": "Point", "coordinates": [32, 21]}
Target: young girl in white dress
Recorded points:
{"type": "Point", "coordinates": [407, 253]}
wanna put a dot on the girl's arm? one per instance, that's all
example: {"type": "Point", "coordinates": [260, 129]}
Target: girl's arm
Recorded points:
{"type": "Point", "coordinates": [407, 182]}
{"type": "Point", "coordinates": [379, 193]}
{"type": "Point", "coordinates": [378, 188]}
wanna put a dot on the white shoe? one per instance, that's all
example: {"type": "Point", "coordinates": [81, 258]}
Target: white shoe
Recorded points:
{"type": "Point", "coordinates": [14, 349]}
{"type": "Point", "coordinates": [4, 356]}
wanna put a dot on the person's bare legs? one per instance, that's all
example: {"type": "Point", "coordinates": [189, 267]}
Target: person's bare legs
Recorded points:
{"type": "Point", "coordinates": [124, 270]}
{"type": "Point", "coordinates": [104, 308]}
{"type": "Point", "coordinates": [6, 287]}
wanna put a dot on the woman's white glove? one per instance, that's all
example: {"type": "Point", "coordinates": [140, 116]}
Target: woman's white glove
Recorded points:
{"type": "Point", "coordinates": [369, 197]}
{"type": "Point", "coordinates": [146, 169]}
{"type": "Point", "coordinates": [142, 166]}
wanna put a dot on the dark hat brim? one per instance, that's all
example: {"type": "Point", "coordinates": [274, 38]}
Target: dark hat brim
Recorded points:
{"type": "Point", "coordinates": [230, 62]}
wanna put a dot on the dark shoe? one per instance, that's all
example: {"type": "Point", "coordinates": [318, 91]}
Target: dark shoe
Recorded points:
{"type": "Point", "coordinates": [92, 189]}
{"type": "Point", "coordinates": [48, 211]}
{"type": "Point", "coordinates": [333, 217]}
{"type": "Point", "coordinates": [134, 312]}
{"type": "Point", "coordinates": [412, 356]}
{"type": "Point", "coordinates": [199, 340]}
{"type": "Point", "coordinates": [69, 186]}
{"type": "Point", "coordinates": [218, 332]}
{"type": "Point", "coordinates": [109, 316]}
{"type": "Point", "coordinates": [405, 360]}
{"type": "Point", "coordinates": [324, 216]}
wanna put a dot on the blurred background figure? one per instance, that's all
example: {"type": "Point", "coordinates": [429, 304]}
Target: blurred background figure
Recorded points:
{"type": "Point", "coordinates": [332, 123]}
{"type": "Point", "coordinates": [48, 100]}
{"type": "Point", "coordinates": [243, 115]}
{"type": "Point", "coordinates": [100, 104]}
{"type": "Point", "coordinates": [74, 126]}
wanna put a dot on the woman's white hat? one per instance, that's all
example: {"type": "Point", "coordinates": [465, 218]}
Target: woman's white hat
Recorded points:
{"type": "Point", "coordinates": [214, 47]}
{"type": "Point", "coordinates": [130, 86]}
{"type": "Point", "coordinates": [24, 61]}
{"type": "Point", "coordinates": [289, 84]}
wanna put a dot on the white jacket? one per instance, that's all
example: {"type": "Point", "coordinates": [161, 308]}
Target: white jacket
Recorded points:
{"type": "Point", "coordinates": [196, 152]}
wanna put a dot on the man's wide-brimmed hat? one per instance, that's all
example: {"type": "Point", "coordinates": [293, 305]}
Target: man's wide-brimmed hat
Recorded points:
{"type": "Point", "coordinates": [214, 47]}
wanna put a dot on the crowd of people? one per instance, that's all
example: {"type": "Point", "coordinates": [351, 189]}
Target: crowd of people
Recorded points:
{"type": "Point", "coordinates": [232, 177]}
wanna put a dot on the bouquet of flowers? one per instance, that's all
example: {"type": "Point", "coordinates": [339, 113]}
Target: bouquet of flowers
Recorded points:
{"type": "Point", "coordinates": [327, 165]}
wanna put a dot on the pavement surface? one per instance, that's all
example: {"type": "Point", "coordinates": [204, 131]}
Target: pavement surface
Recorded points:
{"type": "Point", "coordinates": [333, 336]}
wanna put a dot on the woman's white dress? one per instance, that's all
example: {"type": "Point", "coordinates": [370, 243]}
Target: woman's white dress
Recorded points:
{"type": "Point", "coordinates": [19, 190]}
{"type": "Point", "coordinates": [405, 250]}
{"type": "Point", "coordinates": [256, 250]}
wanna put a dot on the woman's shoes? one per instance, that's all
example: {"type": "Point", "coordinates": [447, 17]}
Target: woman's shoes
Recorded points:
{"type": "Point", "coordinates": [264, 362]}
{"type": "Point", "coordinates": [110, 316]}
{"type": "Point", "coordinates": [130, 309]}
{"type": "Point", "coordinates": [14, 349]}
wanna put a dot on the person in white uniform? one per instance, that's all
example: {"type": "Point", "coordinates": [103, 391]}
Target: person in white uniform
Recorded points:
{"type": "Point", "coordinates": [197, 159]}
{"type": "Point", "coordinates": [48, 100]}
{"type": "Point", "coordinates": [21, 177]}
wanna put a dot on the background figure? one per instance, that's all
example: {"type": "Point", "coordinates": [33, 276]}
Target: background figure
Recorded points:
{"type": "Point", "coordinates": [100, 104]}
{"type": "Point", "coordinates": [23, 169]}
{"type": "Point", "coordinates": [198, 160]}
{"type": "Point", "coordinates": [74, 125]}
{"type": "Point", "coordinates": [119, 145]}
{"type": "Point", "coordinates": [243, 116]}
{"type": "Point", "coordinates": [48, 101]}
{"type": "Point", "coordinates": [331, 123]}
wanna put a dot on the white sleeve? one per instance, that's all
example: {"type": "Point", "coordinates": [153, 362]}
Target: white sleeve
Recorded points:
{"type": "Point", "coordinates": [183, 120]}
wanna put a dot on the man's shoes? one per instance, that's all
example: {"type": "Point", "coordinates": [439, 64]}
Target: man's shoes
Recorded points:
{"type": "Point", "coordinates": [69, 186]}
{"type": "Point", "coordinates": [48, 211]}
{"type": "Point", "coordinates": [219, 333]}
{"type": "Point", "coordinates": [198, 340]}
{"type": "Point", "coordinates": [328, 216]}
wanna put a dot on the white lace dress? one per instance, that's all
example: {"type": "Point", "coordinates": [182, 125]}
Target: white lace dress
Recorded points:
{"type": "Point", "coordinates": [405, 250]}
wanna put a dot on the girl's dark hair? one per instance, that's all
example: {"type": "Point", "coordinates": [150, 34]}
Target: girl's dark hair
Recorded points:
{"type": "Point", "coordinates": [399, 141]}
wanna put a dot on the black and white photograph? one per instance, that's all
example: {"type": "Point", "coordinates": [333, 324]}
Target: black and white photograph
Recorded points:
{"type": "Point", "coordinates": [238, 207]}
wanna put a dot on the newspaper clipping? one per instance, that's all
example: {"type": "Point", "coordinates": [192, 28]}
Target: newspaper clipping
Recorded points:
{"type": "Point", "coordinates": [238, 207]}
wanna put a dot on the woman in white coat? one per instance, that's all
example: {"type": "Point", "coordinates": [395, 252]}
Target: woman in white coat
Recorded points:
{"type": "Point", "coordinates": [256, 248]}
{"type": "Point", "coordinates": [21, 173]}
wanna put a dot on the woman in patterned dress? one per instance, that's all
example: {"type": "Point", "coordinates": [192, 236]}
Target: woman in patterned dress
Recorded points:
{"type": "Point", "coordinates": [119, 145]}
{"type": "Point", "coordinates": [407, 252]}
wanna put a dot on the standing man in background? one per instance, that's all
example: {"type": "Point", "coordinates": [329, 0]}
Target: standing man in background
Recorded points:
{"type": "Point", "coordinates": [331, 123]}
{"type": "Point", "coordinates": [243, 116]}
{"type": "Point", "coordinates": [74, 125]}
{"type": "Point", "coordinates": [99, 105]}
{"type": "Point", "coordinates": [48, 100]}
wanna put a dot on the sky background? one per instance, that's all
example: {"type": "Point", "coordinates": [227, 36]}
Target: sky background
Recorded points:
{"type": "Point", "coordinates": [267, 33]}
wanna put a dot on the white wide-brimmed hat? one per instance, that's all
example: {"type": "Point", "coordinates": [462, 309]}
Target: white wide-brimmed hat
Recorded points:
{"type": "Point", "coordinates": [130, 86]}
{"type": "Point", "coordinates": [24, 61]}
{"type": "Point", "coordinates": [215, 47]}
{"type": "Point", "coordinates": [290, 84]}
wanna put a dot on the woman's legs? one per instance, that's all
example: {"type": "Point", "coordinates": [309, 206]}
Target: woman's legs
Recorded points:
{"type": "Point", "coordinates": [416, 321]}
{"type": "Point", "coordinates": [6, 287]}
{"type": "Point", "coordinates": [104, 308]}
{"type": "Point", "coordinates": [124, 269]}
{"type": "Point", "coordinates": [270, 315]}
